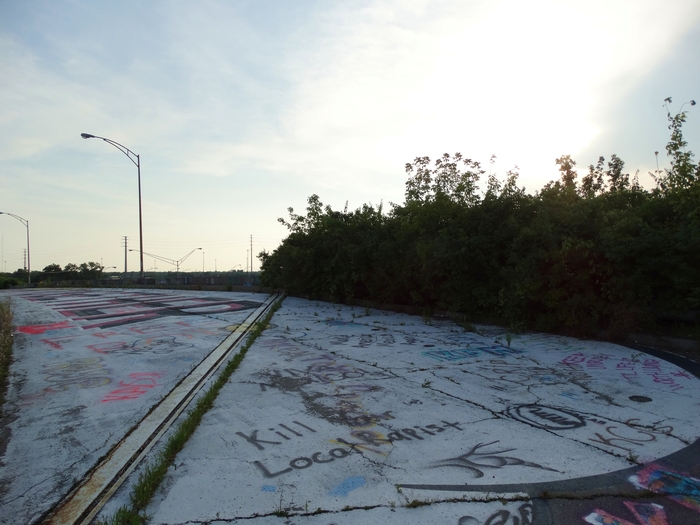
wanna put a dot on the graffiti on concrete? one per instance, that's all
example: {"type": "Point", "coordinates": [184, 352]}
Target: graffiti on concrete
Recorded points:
{"type": "Point", "coordinates": [545, 417]}
{"type": "Point", "coordinates": [630, 369]}
{"type": "Point", "coordinates": [523, 374]}
{"type": "Point", "coordinates": [139, 384]}
{"type": "Point", "coordinates": [89, 372]}
{"type": "Point", "coordinates": [125, 308]}
{"type": "Point", "coordinates": [677, 487]}
{"type": "Point", "coordinates": [644, 513]}
{"type": "Point", "coordinates": [344, 405]}
{"type": "Point", "coordinates": [631, 432]}
{"type": "Point", "coordinates": [476, 461]}
{"type": "Point", "coordinates": [347, 486]}
{"type": "Point", "coordinates": [475, 351]}
{"type": "Point", "coordinates": [257, 442]}
{"type": "Point", "coordinates": [367, 441]}
{"type": "Point", "coordinates": [151, 345]}
{"type": "Point", "coordinates": [34, 329]}
{"type": "Point", "coordinates": [301, 463]}
{"type": "Point", "coordinates": [524, 515]}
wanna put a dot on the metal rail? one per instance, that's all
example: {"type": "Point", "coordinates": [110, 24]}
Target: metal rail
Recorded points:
{"type": "Point", "coordinates": [103, 480]}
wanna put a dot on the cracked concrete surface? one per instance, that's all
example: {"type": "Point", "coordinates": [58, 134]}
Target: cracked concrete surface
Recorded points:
{"type": "Point", "coordinates": [88, 365]}
{"type": "Point", "coordinates": [346, 415]}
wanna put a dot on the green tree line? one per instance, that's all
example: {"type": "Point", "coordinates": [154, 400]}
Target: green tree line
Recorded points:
{"type": "Point", "coordinates": [576, 256]}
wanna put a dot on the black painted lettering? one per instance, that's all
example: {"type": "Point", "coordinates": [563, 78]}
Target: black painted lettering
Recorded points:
{"type": "Point", "coordinates": [368, 436]}
{"type": "Point", "coordinates": [292, 431]}
{"type": "Point", "coordinates": [423, 430]}
{"type": "Point", "coordinates": [300, 463]}
{"type": "Point", "coordinates": [436, 428]}
{"type": "Point", "coordinates": [253, 440]}
{"type": "Point", "coordinates": [554, 418]}
{"type": "Point", "coordinates": [317, 459]}
{"type": "Point", "coordinates": [499, 518]}
{"type": "Point", "coordinates": [269, 474]}
{"type": "Point", "coordinates": [280, 434]}
{"type": "Point", "coordinates": [302, 425]}
{"type": "Point", "coordinates": [412, 433]}
{"type": "Point", "coordinates": [453, 425]}
{"type": "Point", "coordinates": [338, 453]}
{"type": "Point", "coordinates": [397, 436]}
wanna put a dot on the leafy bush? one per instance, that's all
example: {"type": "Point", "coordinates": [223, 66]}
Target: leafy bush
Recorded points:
{"type": "Point", "coordinates": [573, 257]}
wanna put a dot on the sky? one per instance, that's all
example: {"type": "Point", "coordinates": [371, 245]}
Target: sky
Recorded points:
{"type": "Point", "coordinates": [242, 109]}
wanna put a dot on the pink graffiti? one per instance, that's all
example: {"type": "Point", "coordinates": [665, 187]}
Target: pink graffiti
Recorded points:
{"type": "Point", "coordinates": [676, 486]}
{"type": "Point", "coordinates": [142, 383]}
{"type": "Point", "coordinates": [41, 328]}
{"type": "Point", "coordinates": [645, 513]}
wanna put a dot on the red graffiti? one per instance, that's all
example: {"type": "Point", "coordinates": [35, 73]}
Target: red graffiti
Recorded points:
{"type": "Point", "coordinates": [645, 513]}
{"type": "Point", "coordinates": [676, 486]}
{"type": "Point", "coordinates": [141, 383]}
{"type": "Point", "coordinates": [41, 328]}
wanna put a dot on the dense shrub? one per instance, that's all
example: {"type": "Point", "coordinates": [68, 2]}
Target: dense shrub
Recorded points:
{"type": "Point", "coordinates": [574, 257]}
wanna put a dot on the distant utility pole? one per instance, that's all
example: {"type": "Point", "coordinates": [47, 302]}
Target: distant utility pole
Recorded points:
{"type": "Point", "coordinates": [246, 261]}
{"type": "Point", "coordinates": [125, 252]}
{"type": "Point", "coordinates": [251, 253]}
{"type": "Point", "coordinates": [24, 259]}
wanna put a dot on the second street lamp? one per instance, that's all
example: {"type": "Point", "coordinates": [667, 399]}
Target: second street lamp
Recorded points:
{"type": "Point", "coordinates": [131, 155]}
{"type": "Point", "coordinates": [26, 223]}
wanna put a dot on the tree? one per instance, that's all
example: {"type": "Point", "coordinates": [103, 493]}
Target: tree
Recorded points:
{"type": "Point", "coordinates": [566, 169]}
{"type": "Point", "coordinates": [90, 270]}
{"type": "Point", "coordinates": [446, 181]}
{"type": "Point", "coordinates": [683, 173]}
{"type": "Point", "coordinates": [593, 183]}
{"type": "Point", "coordinates": [618, 181]}
{"type": "Point", "coordinates": [52, 268]}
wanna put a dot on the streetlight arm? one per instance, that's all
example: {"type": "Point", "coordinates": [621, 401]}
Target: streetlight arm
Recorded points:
{"type": "Point", "coordinates": [29, 260]}
{"type": "Point", "coordinates": [126, 151]}
{"type": "Point", "coordinates": [169, 261]}
{"type": "Point", "coordinates": [186, 256]}
{"type": "Point", "coordinates": [20, 219]}
{"type": "Point", "coordinates": [130, 155]}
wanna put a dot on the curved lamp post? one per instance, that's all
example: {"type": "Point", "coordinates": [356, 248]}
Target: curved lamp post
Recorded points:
{"type": "Point", "coordinates": [174, 262]}
{"type": "Point", "coordinates": [137, 162]}
{"type": "Point", "coordinates": [26, 223]}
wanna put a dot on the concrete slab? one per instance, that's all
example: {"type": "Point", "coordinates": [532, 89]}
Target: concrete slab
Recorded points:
{"type": "Point", "coordinates": [89, 364]}
{"type": "Point", "coordinates": [361, 415]}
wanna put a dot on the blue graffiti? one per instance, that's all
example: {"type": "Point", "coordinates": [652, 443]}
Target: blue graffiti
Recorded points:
{"type": "Point", "coordinates": [348, 486]}
{"type": "Point", "coordinates": [268, 488]}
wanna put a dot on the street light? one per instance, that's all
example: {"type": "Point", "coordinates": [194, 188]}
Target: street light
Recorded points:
{"type": "Point", "coordinates": [130, 154]}
{"type": "Point", "coordinates": [26, 223]}
{"type": "Point", "coordinates": [174, 262]}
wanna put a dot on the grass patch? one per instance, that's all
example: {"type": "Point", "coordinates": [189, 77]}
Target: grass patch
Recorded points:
{"type": "Point", "coordinates": [154, 474]}
{"type": "Point", "coordinates": [5, 345]}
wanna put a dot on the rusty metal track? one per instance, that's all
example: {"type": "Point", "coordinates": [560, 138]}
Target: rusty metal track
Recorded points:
{"type": "Point", "coordinates": [103, 480]}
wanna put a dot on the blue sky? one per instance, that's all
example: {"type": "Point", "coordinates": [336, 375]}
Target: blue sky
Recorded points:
{"type": "Point", "coordinates": [240, 110]}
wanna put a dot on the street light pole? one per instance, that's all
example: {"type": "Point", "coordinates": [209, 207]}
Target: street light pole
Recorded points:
{"type": "Point", "coordinates": [130, 154]}
{"type": "Point", "coordinates": [174, 262]}
{"type": "Point", "coordinates": [26, 223]}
